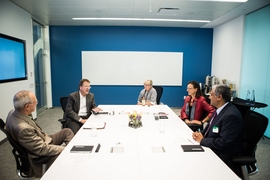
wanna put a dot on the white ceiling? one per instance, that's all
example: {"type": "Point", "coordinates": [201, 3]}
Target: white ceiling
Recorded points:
{"type": "Point", "coordinates": [61, 12]}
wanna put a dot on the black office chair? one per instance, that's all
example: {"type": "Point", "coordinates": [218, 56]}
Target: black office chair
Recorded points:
{"type": "Point", "coordinates": [195, 127]}
{"type": "Point", "coordinates": [21, 156]}
{"type": "Point", "coordinates": [159, 90]}
{"type": "Point", "coordinates": [63, 102]}
{"type": "Point", "coordinates": [255, 125]}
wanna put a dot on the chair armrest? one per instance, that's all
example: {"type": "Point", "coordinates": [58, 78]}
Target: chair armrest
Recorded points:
{"type": "Point", "coordinates": [244, 160]}
{"type": "Point", "coordinates": [42, 159]}
{"type": "Point", "coordinates": [62, 121]}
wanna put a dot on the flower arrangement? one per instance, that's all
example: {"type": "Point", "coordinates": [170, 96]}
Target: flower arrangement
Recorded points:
{"type": "Point", "coordinates": [135, 120]}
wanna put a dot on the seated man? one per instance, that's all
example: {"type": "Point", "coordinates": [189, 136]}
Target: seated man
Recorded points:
{"type": "Point", "coordinates": [224, 133]}
{"type": "Point", "coordinates": [80, 106]}
{"type": "Point", "coordinates": [148, 94]}
{"type": "Point", "coordinates": [22, 128]}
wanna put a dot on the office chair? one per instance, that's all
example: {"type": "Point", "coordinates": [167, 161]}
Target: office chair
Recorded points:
{"type": "Point", "coordinates": [255, 125]}
{"type": "Point", "coordinates": [21, 156]}
{"type": "Point", "coordinates": [63, 102]}
{"type": "Point", "coordinates": [159, 90]}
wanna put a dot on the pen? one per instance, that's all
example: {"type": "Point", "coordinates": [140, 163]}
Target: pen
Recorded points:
{"type": "Point", "coordinates": [98, 147]}
{"type": "Point", "coordinates": [190, 141]}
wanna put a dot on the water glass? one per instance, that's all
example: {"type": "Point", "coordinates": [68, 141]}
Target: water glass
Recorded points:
{"type": "Point", "coordinates": [93, 131]}
{"type": "Point", "coordinates": [162, 127]}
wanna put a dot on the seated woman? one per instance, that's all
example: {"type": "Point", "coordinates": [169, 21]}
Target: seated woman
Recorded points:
{"type": "Point", "coordinates": [148, 94]}
{"type": "Point", "coordinates": [196, 110]}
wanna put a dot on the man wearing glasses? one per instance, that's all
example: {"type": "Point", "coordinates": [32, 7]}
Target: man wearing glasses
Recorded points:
{"type": "Point", "coordinates": [26, 132]}
{"type": "Point", "coordinates": [148, 95]}
{"type": "Point", "coordinates": [224, 132]}
{"type": "Point", "coordinates": [80, 106]}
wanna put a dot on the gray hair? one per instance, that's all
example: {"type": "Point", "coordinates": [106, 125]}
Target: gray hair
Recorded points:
{"type": "Point", "coordinates": [150, 82]}
{"type": "Point", "coordinates": [20, 99]}
{"type": "Point", "coordinates": [224, 90]}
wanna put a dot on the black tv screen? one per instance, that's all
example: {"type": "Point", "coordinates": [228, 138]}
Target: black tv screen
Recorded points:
{"type": "Point", "coordinates": [12, 59]}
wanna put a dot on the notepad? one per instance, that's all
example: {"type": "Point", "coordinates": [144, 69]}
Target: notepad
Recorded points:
{"type": "Point", "coordinates": [81, 149]}
{"type": "Point", "coordinates": [163, 117]}
{"type": "Point", "coordinates": [100, 112]}
{"type": "Point", "coordinates": [192, 148]}
{"type": "Point", "coordinates": [97, 125]}
{"type": "Point", "coordinates": [117, 149]}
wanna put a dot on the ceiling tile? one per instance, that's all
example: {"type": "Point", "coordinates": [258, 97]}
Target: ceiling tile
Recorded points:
{"type": "Point", "coordinates": [61, 12]}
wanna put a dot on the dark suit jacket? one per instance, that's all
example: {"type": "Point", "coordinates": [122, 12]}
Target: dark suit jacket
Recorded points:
{"type": "Point", "coordinates": [227, 142]}
{"type": "Point", "coordinates": [73, 106]}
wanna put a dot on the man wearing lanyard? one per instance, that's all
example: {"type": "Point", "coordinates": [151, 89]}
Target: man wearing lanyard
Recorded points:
{"type": "Point", "coordinates": [149, 94]}
{"type": "Point", "coordinates": [224, 133]}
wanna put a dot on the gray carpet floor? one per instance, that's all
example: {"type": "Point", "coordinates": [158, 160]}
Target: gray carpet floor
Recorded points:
{"type": "Point", "coordinates": [47, 120]}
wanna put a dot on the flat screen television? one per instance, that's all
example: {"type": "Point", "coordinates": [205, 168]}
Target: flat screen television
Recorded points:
{"type": "Point", "coordinates": [12, 59]}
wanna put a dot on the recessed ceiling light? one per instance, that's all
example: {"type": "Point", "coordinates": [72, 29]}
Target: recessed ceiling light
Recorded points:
{"type": "Point", "coordinates": [141, 19]}
{"type": "Point", "coordinates": [223, 0]}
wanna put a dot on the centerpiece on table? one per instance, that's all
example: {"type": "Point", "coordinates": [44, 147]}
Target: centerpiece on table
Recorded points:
{"type": "Point", "coordinates": [135, 120]}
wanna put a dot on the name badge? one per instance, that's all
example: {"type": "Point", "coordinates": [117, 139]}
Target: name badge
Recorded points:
{"type": "Point", "coordinates": [215, 129]}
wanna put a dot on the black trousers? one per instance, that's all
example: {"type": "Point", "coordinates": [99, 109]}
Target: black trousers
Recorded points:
{"type": "Point", "coordinates": [75, 125]}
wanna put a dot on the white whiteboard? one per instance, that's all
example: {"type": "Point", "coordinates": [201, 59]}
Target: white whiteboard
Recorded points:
{"type": "Point", "coordinates": [132, 67]}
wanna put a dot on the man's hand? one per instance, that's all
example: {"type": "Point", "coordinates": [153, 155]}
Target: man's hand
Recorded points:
{"type": "Point", "coordinates": [97, 109]}
{"type": "Point", "coordinates": [83, 121]}
{"type": "Point", "coordinates": [197, 136]}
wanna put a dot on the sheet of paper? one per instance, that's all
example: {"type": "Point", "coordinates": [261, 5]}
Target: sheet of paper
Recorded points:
{"type": "Point", "coordinates": [79, 159]}
{"type": "Point", "coordinates": [182, 140]}
{"type": "Point", "coordinates": [97, 125]}
{"type": "Point", "coordinates": [117, 150]}
{"type": "Point", "coordinates": [158, 149]}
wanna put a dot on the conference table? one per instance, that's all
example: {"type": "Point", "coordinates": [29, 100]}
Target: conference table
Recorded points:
{"type": "Point", "coordinates": [150, 152]}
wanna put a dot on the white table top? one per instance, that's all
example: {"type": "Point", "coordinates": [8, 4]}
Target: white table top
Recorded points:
{"type": "Point", "coordinates": [139, 159]}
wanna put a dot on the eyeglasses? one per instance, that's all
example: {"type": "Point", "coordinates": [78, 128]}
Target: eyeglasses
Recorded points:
{"type": "Point", "coordinates": [35, 102]}
{"type": "Point", "coordinates": [147, 84]}
{"type": "Point", "coordinates": [189, 88]}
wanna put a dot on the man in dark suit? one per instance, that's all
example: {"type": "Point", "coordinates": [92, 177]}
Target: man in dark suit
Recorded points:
{"type": "Point", "coordinates": [224, 133]}
{"type": "Point", "coordinates": [80, 106]}
{"type": "Point", "coordinates": [26, 132]}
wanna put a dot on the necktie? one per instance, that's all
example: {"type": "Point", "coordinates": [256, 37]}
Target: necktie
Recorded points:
{"type": "Point", "coordinates": [209, 127]}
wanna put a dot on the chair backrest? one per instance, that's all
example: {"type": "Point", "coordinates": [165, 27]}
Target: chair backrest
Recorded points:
{"type": "Point", "coordinates": [63, 102]}
{"type": "Point", "coordinates": [159, 90]}
{"type": "Point", "coordinates": [255, 125]}
{"type": "Point", "coordinates": [20, 154]}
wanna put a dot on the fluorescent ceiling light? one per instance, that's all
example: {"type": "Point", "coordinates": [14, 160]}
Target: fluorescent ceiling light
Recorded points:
{"type": "Point", "coordinates": [223, 0]}
{"type": "Point", "coordinates": [140, 19]}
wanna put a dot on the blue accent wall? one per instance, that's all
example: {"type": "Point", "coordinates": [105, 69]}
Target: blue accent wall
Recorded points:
{"type": "Point", "coordinates": [67, 42]}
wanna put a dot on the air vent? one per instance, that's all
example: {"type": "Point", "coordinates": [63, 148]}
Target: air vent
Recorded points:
{"type": "Point", "coordinates": [168, 11]}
